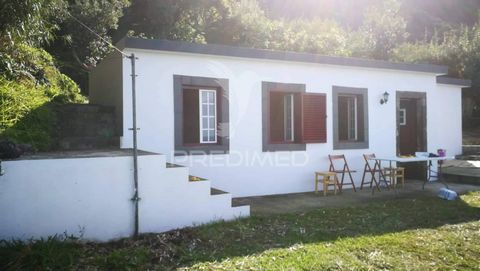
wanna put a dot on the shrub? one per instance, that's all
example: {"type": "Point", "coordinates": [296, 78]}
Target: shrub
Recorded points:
{"type": "Point", "coordinates": [54, 253]}
{"type": "Point", "coordinates": [29, 84]}
{"type": "Point", "coordinates": [26, 116]}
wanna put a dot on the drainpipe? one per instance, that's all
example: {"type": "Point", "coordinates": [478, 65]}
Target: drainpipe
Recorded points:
{"type": "Point", "coordinates": [134, 129]}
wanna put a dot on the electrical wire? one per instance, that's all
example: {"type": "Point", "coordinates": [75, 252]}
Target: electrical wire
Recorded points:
{"type": "Point", "coordinates": [98, 35]}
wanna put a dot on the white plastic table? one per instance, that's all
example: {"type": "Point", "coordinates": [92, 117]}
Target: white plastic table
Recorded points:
{"type": "Point", "coordinates": [428, 160]}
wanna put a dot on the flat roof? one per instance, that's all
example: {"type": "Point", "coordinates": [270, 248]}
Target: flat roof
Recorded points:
{"type": "Point", "coordinates": [445, 80]}
{"type": "Point", "coordinates": [243, 52]}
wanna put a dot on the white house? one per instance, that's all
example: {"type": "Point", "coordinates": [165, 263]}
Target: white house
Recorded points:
{"type": "Point", "coordinates": [249, 121]}
{"type": "Point", "coordinates": [259, 122]}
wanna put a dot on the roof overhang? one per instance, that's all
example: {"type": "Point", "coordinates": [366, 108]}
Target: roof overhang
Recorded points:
{"type": "Point", "coordinates": [445, 80]}
{"type": "Point", "coordinates": [243, 52]}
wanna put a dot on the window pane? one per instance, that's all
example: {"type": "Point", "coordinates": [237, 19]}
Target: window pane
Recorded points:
{"type": "Point", "coordinates": [211, 123]}
{"type": "Point", "coordinates": [211, 97]}
{"type": "Point", "coordinates": [352, 118]}
{"type": "Point", "coordinates": [347, 114]}
{"type": "Point", "coordinates": [348, 117]}
{"type": "Point", "coordinates": [208, 116]}
{"type": "Point", "coordinates": [204, 110]}
{"type": "Point", "coordinates": [211, 110]}
{"type": "Point", "coordinates": [211, 135]}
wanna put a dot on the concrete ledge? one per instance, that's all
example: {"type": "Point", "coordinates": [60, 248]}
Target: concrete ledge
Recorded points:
{"type": "Point", "coordinates": [80, 154]}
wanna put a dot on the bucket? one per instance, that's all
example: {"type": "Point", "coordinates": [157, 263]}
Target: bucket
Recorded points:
{"type": "Point", "coordinates": [447, 194]}
{"type": "Point", "coordinates": [442, 152]}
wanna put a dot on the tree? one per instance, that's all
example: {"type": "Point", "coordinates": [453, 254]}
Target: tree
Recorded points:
{"type": "Point", "coordinates": [77, 49]}
{"type": "Point", "coordinates": [25, 26]}
{"type": "Point", "coordinates": [186, 20]}
{"type": "Point", "coordinates": [382, 30]}
{"type": "Point", "coordinates": [29, 21]}
{"type": "Point", "coordinates": [458, 48]}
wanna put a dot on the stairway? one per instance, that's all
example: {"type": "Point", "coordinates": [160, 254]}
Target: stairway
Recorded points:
{"type": "Point", "coordinates": [85, 126]}
{"type": "Point", "coordinates": [172, 198]}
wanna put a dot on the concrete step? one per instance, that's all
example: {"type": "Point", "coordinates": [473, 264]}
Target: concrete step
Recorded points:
{"type": "Point", "coordinates": [192, 178]}
{"type": "Point", "coordinates": [214, 191]}
{"type": "Point", "coordinates": [462, 175]}
{"type": "Point", "coordinates": [171, 165]}
{"type": "Point", "coordinates": [471, 149]}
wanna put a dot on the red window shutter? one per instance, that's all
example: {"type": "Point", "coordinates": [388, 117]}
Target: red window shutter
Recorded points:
{"type": "Point", "coordinates": [314, 117]}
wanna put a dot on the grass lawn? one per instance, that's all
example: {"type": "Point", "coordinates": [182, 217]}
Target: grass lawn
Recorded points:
{"type": "Point", "coordinates": [401, 234]}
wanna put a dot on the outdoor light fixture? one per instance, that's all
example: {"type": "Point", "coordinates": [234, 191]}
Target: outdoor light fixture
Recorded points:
{"type": "Point", "coordinates": [384, 100]}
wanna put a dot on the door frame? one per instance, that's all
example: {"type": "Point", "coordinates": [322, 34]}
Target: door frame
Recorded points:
{"type": "Point", "coordinates": [421, 98]}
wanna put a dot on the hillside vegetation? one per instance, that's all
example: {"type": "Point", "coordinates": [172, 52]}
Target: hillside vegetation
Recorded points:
{"type": "Point", "coordinates": [45, 53]}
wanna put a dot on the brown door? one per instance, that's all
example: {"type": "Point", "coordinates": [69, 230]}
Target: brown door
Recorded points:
{"type": "Point", "coordinates": [408, 126]}
{"type": "Point", "coordinates": [411, 135]}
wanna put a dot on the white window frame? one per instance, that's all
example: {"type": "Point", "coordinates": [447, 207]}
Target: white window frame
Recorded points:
{"type": "Point", "coordinates": [201, 115]}
{"type": "Point", "coordinates": [403, 116]}
{"type": "Point", "coordinates": [285, 115]}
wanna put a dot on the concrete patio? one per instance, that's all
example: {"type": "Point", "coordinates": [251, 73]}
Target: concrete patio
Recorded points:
{"type": "Point", "coordinates": [301, 202]}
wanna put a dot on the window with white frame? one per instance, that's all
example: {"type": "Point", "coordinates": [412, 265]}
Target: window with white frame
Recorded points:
{"type": "Point", "coordinates": [200, 120]}
{"type": "Point", "coordinates": [201, 115]}
{"type": "Point", "coordinates": [208, 116]}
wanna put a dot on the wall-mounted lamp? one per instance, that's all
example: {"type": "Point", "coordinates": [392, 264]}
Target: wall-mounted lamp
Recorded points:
{"type": "Point", "coordinates": [384, 100]}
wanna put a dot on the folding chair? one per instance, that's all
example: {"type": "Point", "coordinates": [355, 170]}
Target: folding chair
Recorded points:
{"type": "Point", "coordinates": [344, 170]}
{"type": "Point", "coordinates": [368, 169]}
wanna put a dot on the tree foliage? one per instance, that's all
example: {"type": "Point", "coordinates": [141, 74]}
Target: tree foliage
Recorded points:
{"type": "Point", "coordinates": [32, 31]}
{"type": "Point", "coordinates": [29, 76]}
{"type": "Point", "coordinates": [383, 28]}
{"type": "Point", "coordinates": [76, 48]}
{"type": "Point", "coordinates": [29, 21]}
{"type": "Point", "coordinates": [458, 48]}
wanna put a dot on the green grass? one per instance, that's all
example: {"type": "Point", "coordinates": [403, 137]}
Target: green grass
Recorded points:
{"type": "Point", "coordinates": [401, 234]}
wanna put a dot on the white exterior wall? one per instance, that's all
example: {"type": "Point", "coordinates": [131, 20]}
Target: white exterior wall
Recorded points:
{"type": "Point", "coordinates": [40, 198]}
{"type": "Point", "coordinates": [155, 115]}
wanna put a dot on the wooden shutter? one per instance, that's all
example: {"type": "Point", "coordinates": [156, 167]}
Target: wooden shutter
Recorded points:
{"type": "Point", "coordinates": [314, 118]}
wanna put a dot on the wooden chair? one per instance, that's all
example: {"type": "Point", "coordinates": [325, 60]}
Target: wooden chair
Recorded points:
{"type": "Point", "coordinates": [394, 174]}
{"type": "Point", "coordinates": [368, 169]}
{"type": "Point", "coordinates": [329, 178]}
{"type": "Point", "coordinates": [345, 169]}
